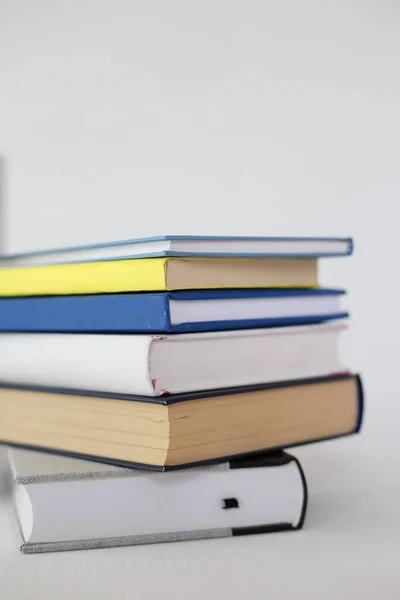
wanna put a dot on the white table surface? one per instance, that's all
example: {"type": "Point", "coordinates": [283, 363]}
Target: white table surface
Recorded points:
{"type": "Point", "coordinates": [349, 545]}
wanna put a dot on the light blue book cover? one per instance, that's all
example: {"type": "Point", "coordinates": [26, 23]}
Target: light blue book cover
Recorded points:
{"type": "Point", "coordinates": [201, 246]}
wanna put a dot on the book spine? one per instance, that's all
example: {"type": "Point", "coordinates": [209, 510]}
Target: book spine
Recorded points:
{"type": "Point", "coordinates": [63, 360]}
{"type": "Point", "coordinates": [100, 313]}
{"type": "Point", "coordinates": [84, 278]}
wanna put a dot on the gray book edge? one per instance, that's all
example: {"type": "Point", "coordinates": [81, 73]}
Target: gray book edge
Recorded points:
{"type": "Point", "coordinates": [29, 467]}
{"type": "Point", "coordinates": [136, 540]}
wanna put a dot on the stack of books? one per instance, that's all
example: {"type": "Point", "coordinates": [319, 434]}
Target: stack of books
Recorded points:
{"type": "Point", "coordinates": [149, 388]}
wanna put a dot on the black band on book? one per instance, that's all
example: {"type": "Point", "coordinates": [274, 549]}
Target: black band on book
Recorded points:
{"type": "Point", "coordinates": [262, 529]}
{"type": "Point", "coordinates": [272, 459]}
{"type": "Point", "coordinates": [361, 403]}
{"type": "Point", "coordinates": [305, 493]}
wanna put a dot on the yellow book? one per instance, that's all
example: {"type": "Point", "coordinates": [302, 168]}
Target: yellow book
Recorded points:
{"type": "Point", "coordinates": [157, 274]}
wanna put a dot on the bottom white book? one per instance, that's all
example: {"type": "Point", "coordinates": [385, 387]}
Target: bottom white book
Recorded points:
{"type": "Point", "coordinates": [68, 504]}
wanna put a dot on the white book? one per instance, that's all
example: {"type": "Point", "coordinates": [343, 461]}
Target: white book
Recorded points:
{"type": "Point", "coordinates": [69, 504]}
{"type": "Point", "coordinates": [181, 245]}
{"type": "Point", "coordinates": [154, 365]}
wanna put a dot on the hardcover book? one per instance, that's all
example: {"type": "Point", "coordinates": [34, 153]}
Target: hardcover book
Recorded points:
{"type": "Point", "coordinates": [154, 365]}
{"type": "Point", "coordinates": [183, 311]}
{"type": "Point", "coordinates": [174, 431]}
{"type": "Point", "coordinates": [178, 245]}
{"type": "Point", "coordinates": [67, 504]}
{"type": "Point", "coordinates": [156, 274]}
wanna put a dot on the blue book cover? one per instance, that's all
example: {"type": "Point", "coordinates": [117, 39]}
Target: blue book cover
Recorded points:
{"type": "Point", "coordinates": [184, 245]}
{"type": "Point", "coordinates": [180, 312]}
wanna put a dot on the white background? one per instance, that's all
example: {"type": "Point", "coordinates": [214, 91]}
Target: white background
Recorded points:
{"type": "Point", "coordinates": [124, 118]}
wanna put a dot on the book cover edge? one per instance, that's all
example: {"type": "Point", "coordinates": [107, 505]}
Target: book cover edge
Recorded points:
{"type": "Point", "coordinates": [178, 467]}
{"type": "Point", "coordinates": [166, 238]}
{"type": "Point", "coordinates": [168, 400]}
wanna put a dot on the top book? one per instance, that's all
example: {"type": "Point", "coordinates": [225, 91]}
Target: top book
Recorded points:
{"type": "Point", "coordinates": [198, 246]}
